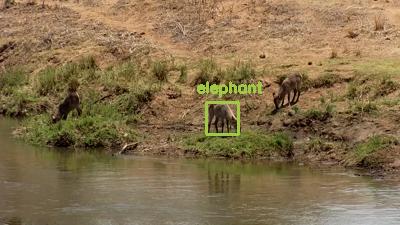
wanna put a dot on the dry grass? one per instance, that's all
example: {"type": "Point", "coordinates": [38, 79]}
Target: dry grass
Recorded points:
{"type": "Point", "coordinates": [379, 22]}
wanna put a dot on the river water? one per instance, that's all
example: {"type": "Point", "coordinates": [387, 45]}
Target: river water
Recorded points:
{"type": "Point", "coordinates": [47, 186]}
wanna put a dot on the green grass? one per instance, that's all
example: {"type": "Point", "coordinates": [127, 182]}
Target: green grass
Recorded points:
{"type": "Point", "coordinates": [378, 68]}
{"type": "Point", "coordinates": [51, 80]}
{"type": "Point", "coordinates": [104, 122]}
{"type": "Point", "coordinates": [247, 145]}
{"type": "Point", "coordinates": [326, 80]}
{"type": "Point", "coordinates": [385, 87]}
{"type": "Point", "coordinates": [102, 126]}
{"type": "Point", "coordinates": [369, 107]}
{"type": "Point", "coordinates": [240, 72]}
{"type": "Point", "coordinates": [363, 150]}
{"type": "Point", "coordinates": [183, 73]}
{"type": "Point", "coordinates": [317, 145]}
{"type": "Point", "coordinates": [323, 114]}
{"type": "Point", "coordinates": [12, 79]}
{"type": "Point", "coordinates": [208, 71]}
{"type": "Point", "coordinates": [160, 70]}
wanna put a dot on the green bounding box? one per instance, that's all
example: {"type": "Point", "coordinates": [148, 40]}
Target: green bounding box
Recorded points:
{"type": "Point", "coordinates": [207, 119]}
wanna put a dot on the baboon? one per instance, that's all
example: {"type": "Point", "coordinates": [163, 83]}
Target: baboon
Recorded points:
{"type": "Point", "coordinates": [291, 83]}
{"type": "Point", "coordinates": [71, 102]}
{"type": "Point", "coordinates": [223, 114]}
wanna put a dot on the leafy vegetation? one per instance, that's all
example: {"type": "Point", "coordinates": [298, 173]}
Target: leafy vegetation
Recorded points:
{"type": "Point", "coordinates": [367, 148]}
{"type": "Point", "coordinates": [11, 79]}
{"type": "Point", "coordinates": [248, 145]}
{"type": "Point", "coordinates": [240, 71]}
{"type": "Point", "coordinates": [208, 71]}
{"type": "Point", "coordinates": [160, 70]}
{"type": "Point", "coordinates": [105, 119]}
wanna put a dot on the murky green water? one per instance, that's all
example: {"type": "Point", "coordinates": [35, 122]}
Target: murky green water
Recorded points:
{"type": "Point", "coordinates": [42, 186]}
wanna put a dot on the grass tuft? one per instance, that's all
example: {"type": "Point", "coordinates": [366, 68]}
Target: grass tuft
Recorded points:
{"type": "Point", "coordinates": [367, 148]}
{"type": "Point", "coordinates": [160, 70]}
{"type": "Point", "coordinates": [11, 79]}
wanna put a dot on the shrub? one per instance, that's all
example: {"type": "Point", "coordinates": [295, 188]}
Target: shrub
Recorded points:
{"type": "Point", "coordinates": [208, 70]}
{"type": "Point", "coordinates": [160, 70]}
{"type": "Point", "coordinates": [240, 72]}
{"type": "Point", "coordinates": [182, 74]}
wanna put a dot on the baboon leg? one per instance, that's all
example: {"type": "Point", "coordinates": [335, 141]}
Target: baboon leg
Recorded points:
{"type": "Point", "coordinates": [282, 101]}
{"type": "Point", "coordinates": [227, 124]}
{"type": "Point", "coordinates": [294, 96]}
{"type": "Point", "coordinates": [223, 124]}
{"type": "Point", "coordinates": [79, 110]}
{"type": "Point", "coordinates": [298, 96]}
{"type": "Point", "coordinates": [288, 98]}
{"type": "Point", "coordinates": [64, 116]}
{"type": "Point", "coordinates": [216, 124]}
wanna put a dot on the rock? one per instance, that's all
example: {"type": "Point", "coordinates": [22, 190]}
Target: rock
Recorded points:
{"type": "Point", "coordinates": [291, 113]}
{"type": "Point", "coordinates": [395, 164]}
{"type": "Point", "coordinates": [287, 122]}
{"type": "Point", "coordinates": [262, 56]}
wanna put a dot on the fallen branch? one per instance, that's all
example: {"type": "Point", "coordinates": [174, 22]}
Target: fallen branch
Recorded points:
{"type": "Point", "coordinates": [128, 146]}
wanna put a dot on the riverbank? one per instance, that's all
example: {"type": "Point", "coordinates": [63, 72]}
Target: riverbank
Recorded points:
{"type": "Point", "coordinates": [138, 89]}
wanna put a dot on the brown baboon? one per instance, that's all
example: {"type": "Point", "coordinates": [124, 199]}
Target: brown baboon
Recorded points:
{"type": "Point", "coordinates": [223, 114]}
{"type": "Point", "coordinates": [71, 102]}
{"type": "Point", "coordinates": [291, 83]}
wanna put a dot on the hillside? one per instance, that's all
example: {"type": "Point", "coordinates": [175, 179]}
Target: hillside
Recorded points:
{"type": "Point", "coordinates": [348, 51]}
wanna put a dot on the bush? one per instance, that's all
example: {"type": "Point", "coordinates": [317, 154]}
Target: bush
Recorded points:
{"type": "Point", "coordinates": [207, 72]}
{"type": "Point", "coordinates": [160, 70]}
{"type": "Point", "coordinates": [240, 72]}
{"type": "Point", "coordinates": [182, 74]}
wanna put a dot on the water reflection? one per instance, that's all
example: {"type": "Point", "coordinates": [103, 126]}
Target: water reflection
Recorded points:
{"type": "Point", "coordinates": [42, 186]}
